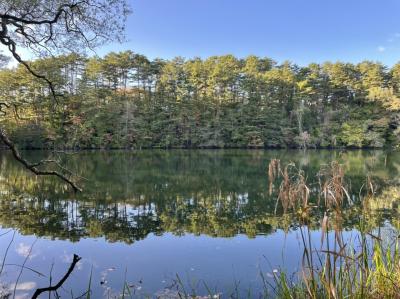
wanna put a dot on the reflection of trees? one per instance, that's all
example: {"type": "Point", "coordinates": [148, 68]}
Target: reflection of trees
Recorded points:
{"type": "Point", "coordinates": [129, 195]}
{"type": "Point", "coordinates": [74, 219]}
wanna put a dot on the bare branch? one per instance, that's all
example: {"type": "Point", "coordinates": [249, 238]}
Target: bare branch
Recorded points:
{"type": "Point", "coordinates": [57, 25]}
{"type": "Point", "coordinates": [75, 260]}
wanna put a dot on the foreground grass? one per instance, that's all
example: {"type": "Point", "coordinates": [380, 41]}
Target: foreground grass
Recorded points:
{"type": "Point", "coordinates": [369, 269]}
{"type": "Point", "coordinates": [366, 267]}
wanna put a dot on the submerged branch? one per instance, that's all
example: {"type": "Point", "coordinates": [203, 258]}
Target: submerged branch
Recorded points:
{"type": "Point", "coordinates": [75, 260]}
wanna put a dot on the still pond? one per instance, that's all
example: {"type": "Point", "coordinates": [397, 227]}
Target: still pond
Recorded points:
{"type": "Point", "coordinates": [153, 219]}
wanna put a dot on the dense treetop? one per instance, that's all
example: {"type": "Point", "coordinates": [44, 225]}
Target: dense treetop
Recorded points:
{"type": "Point", "coordinates": [125, 100]}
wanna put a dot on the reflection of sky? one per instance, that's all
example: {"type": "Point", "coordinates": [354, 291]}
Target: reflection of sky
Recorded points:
{"type": "Point", "coordinates": [153, 263]}
{"type": "Point", "coordinates": [23, 289]}
{"type": "Point", "coordinates": [26, 250]}
{"type": "Point", "coordinates": [221, 193]}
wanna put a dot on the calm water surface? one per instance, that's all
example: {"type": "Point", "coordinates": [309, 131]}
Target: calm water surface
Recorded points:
{"type": "Point", "coordinates": [149, 217]}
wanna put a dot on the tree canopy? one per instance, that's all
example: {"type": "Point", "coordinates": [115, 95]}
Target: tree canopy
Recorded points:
{"type": "Point", "coordinates": [125, 100]}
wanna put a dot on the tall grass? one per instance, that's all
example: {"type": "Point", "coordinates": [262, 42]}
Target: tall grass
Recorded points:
{"type": "Point", "coordinates": [367, 269]}
{"type": "Point", "coordinates": [366, 266]}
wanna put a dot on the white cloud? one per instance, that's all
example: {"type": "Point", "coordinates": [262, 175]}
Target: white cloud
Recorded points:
{"type": "Point", "coordinates": [381, 49]}
{"type": "Point", "coordinates": [24, 250]}
{"type": "Point", "coordinates": [24, 286]}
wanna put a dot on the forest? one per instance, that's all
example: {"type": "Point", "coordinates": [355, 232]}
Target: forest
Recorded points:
{"type": "Point", "coordinates": [124, 100]}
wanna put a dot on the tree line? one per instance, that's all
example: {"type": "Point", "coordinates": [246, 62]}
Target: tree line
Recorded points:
{"type": "Point", "coordinates": [125, 100]}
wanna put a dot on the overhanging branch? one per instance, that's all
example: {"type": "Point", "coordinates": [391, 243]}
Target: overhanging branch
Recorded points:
{"type": "Point", "coordinates": [33, 167]}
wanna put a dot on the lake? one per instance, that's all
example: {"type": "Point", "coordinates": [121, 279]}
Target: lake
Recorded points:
{"type": "Point", "coordinates": [203, 220]}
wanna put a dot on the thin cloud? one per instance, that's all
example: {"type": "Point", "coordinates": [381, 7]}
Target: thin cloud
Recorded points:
{"type": "Point", "coordinates": [25, 250]}
{"type": "Point", "coordinates": [381, 49]}
{"type": "Point", "coordinates": [393, 37]}
{"type": "Point", "coordinates": [24, 286]}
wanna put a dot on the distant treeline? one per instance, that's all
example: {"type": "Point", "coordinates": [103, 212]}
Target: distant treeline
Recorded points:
{"type": "Point", "coordinates": [125, 100]}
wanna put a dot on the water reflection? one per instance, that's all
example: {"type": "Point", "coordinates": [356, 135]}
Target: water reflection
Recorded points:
{"type": "Point", "coordinates": [149, 215]}
{"type": "Point", "coordinates": [129, 195]}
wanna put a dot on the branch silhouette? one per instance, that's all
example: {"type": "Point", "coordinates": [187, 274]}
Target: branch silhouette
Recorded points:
{"type": "Point", "coordinates": [75, 260]}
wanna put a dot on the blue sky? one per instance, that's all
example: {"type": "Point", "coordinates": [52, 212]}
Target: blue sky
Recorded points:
{"type": "Point", "coordinates": [301, 31]}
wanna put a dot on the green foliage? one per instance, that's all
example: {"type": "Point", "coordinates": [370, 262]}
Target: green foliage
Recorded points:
{"type": "Point", "coordinates": [352, 135]}
{"type": "Point", "coordinates": [124, 100]}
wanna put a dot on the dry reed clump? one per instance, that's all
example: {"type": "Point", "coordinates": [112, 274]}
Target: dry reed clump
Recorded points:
{"type": "Point", "coordinates": [293, 192]}
{"type": "Point", "coordinates": [333, 186]}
